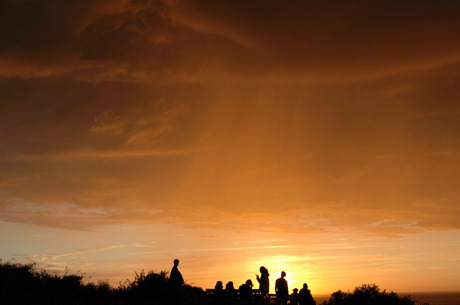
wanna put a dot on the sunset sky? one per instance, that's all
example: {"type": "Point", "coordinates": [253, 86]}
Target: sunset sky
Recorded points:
{"type": "Point", "coordinates": [317, 137]}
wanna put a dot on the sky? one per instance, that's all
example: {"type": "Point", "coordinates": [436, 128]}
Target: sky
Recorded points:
{"type": "Point", "coordinates": [316, 137]}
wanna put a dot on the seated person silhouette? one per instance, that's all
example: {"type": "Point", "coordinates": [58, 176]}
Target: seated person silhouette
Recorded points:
{"type": "Point", "coordinates": [294, 297]}
{"type": "Point", "coordinates": [246, 292]}
{"type": "Point", "coordinates": [230, 293]}
{"type": "Point", "coordinates": [218, 295]}
{"type": "Point", "coordinates": [305, 297]}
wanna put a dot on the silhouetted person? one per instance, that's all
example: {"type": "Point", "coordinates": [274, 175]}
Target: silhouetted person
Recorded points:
{"type": "Point", "coordinates": [281, 289]}
{"type": "Point", "coordinates": [175, 277]}
{"type": "Point", "coordinates": [305, 297]}
{"type": "Point", "coordinates": [246, 292]}
{"type": "Point", "coordinates": [230, 293]}
{"type": "Point", "coordinates": [219, 286]}
{"type": "Point", "coordinates": [264, 283]}
{"type": "Point", "coordinates": [294, 297]}
{"type": "Point", "coordinates": [218, 295]}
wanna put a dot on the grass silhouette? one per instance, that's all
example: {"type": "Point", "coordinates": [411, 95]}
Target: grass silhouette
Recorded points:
{"type": "Point", "coordinates": [24, 284]}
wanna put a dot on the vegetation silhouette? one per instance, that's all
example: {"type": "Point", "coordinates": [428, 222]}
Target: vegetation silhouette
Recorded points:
{"type": "Point", "coordinates": [23, 284]}
{"type": "Point", "coordinates": [367, 294]}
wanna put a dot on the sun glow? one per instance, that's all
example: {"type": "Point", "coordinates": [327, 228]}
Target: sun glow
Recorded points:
{"type": "Point", "coordinates": [296, 272]}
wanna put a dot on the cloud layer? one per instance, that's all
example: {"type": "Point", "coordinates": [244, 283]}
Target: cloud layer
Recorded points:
{"type": "Point", "coordinates": [189, 41]}
{"type": "Point", "coordinates": [303, 116]}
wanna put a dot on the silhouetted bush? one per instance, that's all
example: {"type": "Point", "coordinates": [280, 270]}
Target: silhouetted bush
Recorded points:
{"type": "Point", "coordinates": [367, 295]}
{"type": "Point", "coordinates": [154, 288]}
{"type": "Point", "coordinates": [23, 284]}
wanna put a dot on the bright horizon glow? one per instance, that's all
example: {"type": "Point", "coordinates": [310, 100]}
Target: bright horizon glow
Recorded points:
{"type": "Point", "coordinates": [331, 265]}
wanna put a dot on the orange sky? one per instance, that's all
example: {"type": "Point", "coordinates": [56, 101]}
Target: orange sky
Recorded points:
{"type": "Point", "coordinates": [319, 138]}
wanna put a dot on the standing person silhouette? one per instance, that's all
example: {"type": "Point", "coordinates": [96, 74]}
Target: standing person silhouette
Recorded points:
{"type": "Point", "coordinates": [175, 278]}
{"type": "Point", "coordinates": [264, 283]}
{"type": "Point", "coordinates": [282, 291]}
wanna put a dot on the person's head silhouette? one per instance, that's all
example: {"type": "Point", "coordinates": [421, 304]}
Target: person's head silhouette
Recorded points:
{"type": "Point", "coordinates": [176, 262]}
{"type": "Point", "coordinates": [283, 274]}
{"type": "Point", "coordinates": [264, 270]}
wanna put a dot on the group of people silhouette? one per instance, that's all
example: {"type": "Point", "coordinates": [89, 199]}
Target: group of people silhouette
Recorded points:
{"type": "Point", "coordinates": [245, 295]}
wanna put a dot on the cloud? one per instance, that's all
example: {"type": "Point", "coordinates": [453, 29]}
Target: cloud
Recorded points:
{"type": "Point", "coordinates": [350, 37]}
{"type": "Point", "coordinates": [325, 158]}
{"type": "Point", "coordinates": [191, 41]}
{"type": "Point", "coordinates": [95, 41]}
{"type": "Point", "coordinates": [305, 117]}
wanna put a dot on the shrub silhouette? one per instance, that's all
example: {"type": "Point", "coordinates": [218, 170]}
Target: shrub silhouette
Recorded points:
{"type": "Point", "coordinates": [368, 294]}
{"type": "Point", "coordinates": [154, 288]}
{"type": "Point", "coordinates": [23, 284]}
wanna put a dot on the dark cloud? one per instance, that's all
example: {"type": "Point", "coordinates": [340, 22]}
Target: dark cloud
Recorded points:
{"type": "Point", "coordinates": [136, 34]}
{"type": "Point", "coordinates": [41, 31]}
{"type": "Point", "coordinates": [87, 39]}
{"type": "Point", "coordinates": [195, 40]}
{"type": "Point", "coordinates": [333, 36]}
